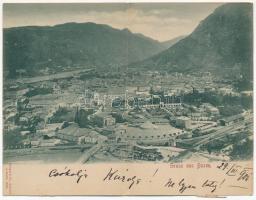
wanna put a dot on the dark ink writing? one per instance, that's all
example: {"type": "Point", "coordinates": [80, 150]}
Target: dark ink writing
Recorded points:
{"type": "Point", "coordinates": [79, 174]}
{"type": "Point", "coordinates": [115, 175]}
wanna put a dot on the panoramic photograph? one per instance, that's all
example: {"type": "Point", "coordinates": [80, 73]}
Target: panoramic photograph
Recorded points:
{"type": "Point", "coordinates": [127, 82]}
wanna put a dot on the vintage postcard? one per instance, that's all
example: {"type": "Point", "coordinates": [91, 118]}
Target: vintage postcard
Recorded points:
{"type": "Point", "coordinates": [128, 98]}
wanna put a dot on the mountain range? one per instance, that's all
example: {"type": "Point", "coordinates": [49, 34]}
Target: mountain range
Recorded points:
{"type": "Point", "coordinates": [222, 44]}
{"type": "Point", "coordinates": [73, 44]}
{"type": "Point", "coordinates": [173, 41]}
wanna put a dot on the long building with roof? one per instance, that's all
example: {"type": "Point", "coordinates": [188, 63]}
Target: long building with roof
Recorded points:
{"type": "Point", "coordinates": [148, 133]}
{"type": "Point", "coordinates": [74, 133]}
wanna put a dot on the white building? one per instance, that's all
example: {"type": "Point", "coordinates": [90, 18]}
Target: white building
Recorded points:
{"type": "Point", "coordinates": [183, 122]}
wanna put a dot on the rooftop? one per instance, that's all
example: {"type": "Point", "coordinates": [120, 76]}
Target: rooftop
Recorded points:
{"type": "Point", "coordinates": [76, 131]}
{"type": "Point", "coordinates": [183, 118]}
{"type": "Point", "coordinates": [232, 118]}
{"type": "Point", "coordinates": [149, 129]}
{"type": "Point", "coordinates": [102, 114]}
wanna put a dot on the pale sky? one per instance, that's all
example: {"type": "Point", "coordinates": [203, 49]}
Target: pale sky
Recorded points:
{"type": "Point", "coordinates": [160, 21]}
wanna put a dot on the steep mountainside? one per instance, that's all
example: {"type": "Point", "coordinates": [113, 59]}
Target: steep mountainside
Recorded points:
{"type": "Point", "coordinates": [73, 44]}
{"type": "Point", "coordinates": [173, 41]}
{"type": "Point", "coordinates": [222, 43]}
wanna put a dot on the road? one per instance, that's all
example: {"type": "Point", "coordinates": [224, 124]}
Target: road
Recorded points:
{"type": "Point", "coordinates": [89, 153]}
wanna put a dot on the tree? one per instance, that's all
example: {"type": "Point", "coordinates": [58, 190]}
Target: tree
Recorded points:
{"type": "Point", "coordinates": [242, 150]}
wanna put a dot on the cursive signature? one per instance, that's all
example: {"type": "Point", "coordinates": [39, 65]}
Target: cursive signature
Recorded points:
{"type": "Point", "coordinates": [210, 184]}
{"type": "Point", "coordinates": [79, 174]}
{"type": "Point", "coordinates": [116, 175]}
{"type": "Point", "coordinates": [184, 186]}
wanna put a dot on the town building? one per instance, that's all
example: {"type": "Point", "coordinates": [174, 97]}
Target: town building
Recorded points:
{"type": "Point", "coordinates": [247, 93]}
{"type": "Point", "coordinates": [73, 133]}
{"type": "Point", "coordinates": [225, 90]}
{"type": "Point", "coordinates": [148, 134]}
{"type": "Point", "coordinates": [183, 122]}
{"type": "Point", "coordinates": [142, 90]}
{"type": "Point", "coordinates": [231, 120]}
{"type": "Point", "coordinates": [103, 119]}
{"type": "Point", "coordinates": [199, 116]}
{"type": "Point", "coordinates": [210, 109]}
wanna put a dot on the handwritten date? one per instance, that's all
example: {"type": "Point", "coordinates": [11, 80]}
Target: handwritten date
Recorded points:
{"type": "Point", "coordinates": [237, 171]}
